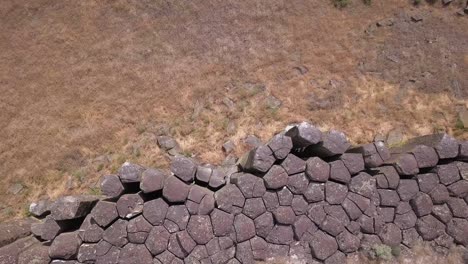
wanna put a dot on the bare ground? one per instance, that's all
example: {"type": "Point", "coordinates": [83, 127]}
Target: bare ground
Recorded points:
{"type": "Point", "coordinates": [86, 85]}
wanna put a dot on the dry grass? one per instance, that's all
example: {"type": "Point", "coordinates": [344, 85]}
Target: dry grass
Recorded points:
{"type": "Point", "coordinates": [86, 81]}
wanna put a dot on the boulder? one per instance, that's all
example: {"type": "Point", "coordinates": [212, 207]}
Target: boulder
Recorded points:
{"type": "Point", "coordinates": [317, 169]}
{"type": "Point", "coordinates": [276, 177]}
{"type": "Point", "coordinates": [12, 231]}
{"type": "Point", "coordinates": [175, 190]}
{"type": "Point", "coordinates": [65, 246]}
{"type": "Point", "coordinates": [129, 205]}
{"type": "Point", "coordinates": [130, 172]}
{"type": "Point", "coordinates": [157, 240]}
{"type": "Point", "coordinates": [111, 186]}
{"type": "Point", "coordinates": [72, 207]}
{"type": "Point", "coordinates": [104, 213]}
{"type": "Point", "coordinates": [200, 229]}
{"type": "Point", "coordinates": [40, 208]}
{"type": "Point", "coordinates": [422, 204]}
{"type": "Point", "coordinates": [323, 245]}
{"type": "Point", "coordinates": [152, 180]}
{"type": "Point", "coordinates": [304, 135]}
{"type": "Point", "coordinates": [293, 164]}
{"type": "Point", "coordinates": [354, 162]}
{"type": "Point", "coordinates": [333, 143]}
{"type": "Point", "coordinates": [280, 145]}
{"type": "Point", "coordinates": [184, 168]}
{"type": "Point", "coordinates": [445, 145]}
{"type": "Point", "coordinates": [259, 159]}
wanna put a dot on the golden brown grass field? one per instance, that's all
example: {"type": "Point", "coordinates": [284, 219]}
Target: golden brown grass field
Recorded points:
{"type": "Point", "coordinates": [86, 85]}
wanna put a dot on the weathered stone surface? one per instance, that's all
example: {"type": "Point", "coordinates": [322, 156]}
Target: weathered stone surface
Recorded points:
{"type": "Point", "coordinates": [439, 194]}
{"type": "Point", "coordinates": [138, 229]}
{"type": "Point", "coordinates": [354, 162]}
{"type": "Point", "coordinates": [442, 213]}
{"type": "Point", "coordinates": [184, 168]}
{"type": "Point", "coordinates": [259, 159]}
{"type": "Point", "coordinates": [107, 253]}
{"type": "Point", "coordinates": [323, 245]}
{"type": "Point", "coordinates": [363, 184]}
{"type": "Point", "coordinates": [254, 207]}
{"type": "Point", "coordinates": [65, 246]}
{"type": "Point", "coordinates": [179, 215]}
{"type": "Point", "coordinates": [388, 197]}
{"type": "Point", "coordinates": [304, 135]}
{"type": "Point", "coordinates": [381, 181]}
{"type": "Point", "coordinates": [181, 244]}
{"type": "Point", "coordinates": [284, 215]}
{"type": "Point", "coordinates": [335, 193]}
{"type": "Point", "coordinates": [222, 222]}
{"type": "Point", "coordinates": [244, 227]}
{"type": "Point", "coordinates": [332, 225]}
{"type": "Point", "coordinates": [445, 145]}
{"type": "Point", "coordinates": [129, 205]}
{"type": "Point", "coordinates": [333, 143]}
{"type": "Point", "coordinates": [458, 229]}
{"type": "Point", "coordinates": [218, 178]}
{"type": "Point", "coordinates": [407, 189]}
{"type": "Point", "coordinates": [87, 253]}
{"type": "Point", "coordinates": [200, 229]}
{"type": "Point", "coordinates": [429, 227]}
{"type": "Point", "coordinates": [351, 209]}
{"type": "Point", "coordinates": [259, 248]}
{"type": "Point", "coordinates": [276, 177]}
{"type": "Point", "coordinates": [280, 234]}
{"type": "Point", "coordinates": [348, 242]}
{"type": "Point", "coordinates": [285, 196]}
{"type": "Point", "coordinates": [315, 192]}
{"type": "Point", "coordinates": [422, 204]}
{"type": "Point", "coordinates": [299, 205]}
{"type": "Point", "coordinates": [458, 207]}
{"type": "Point", "coordinates": [410, 237]}
{"type": "Point", "coordinates": [40, 208]}
{"type": "Point", "coordinates": [391, 234]}
{"type": "Point", "coordinates": [152, 180]}
{"type": "Point", "coordinates": [317, 170]}
{"type": "Point", "coordinates": [104, 213]}
{"type": "Point", "coordinates": [91, 234]}
{"type": "Point", "coordinates": [391, 175]}
{"type": "Point", "coordinates": [175, 190]}
{"type": "Point", "coordinates": [427, 181]}
{"type": "Point", "coordinates": [404, 163]}
{"type": "Point", "coordinates": [12, 231]}
{"type": "Point", "coordinates": [203, 173]}
{"type": "Point", "coordinates": [270, 200]}
{"type": "Point", "coordinates": [135, 253]}
{"type": "Point", "coordinates": [362, 202]}
{"type": "Point", "coordinates": [116, 234]}
{"type": "Point", "coordinates": [298, 183]}
{"type": "Point", "coordinates": [302, 225]}
{"type": "Point", "coordinates": [459, 188]}
{"type": "Point", "coordinates": [11, 252]}
{"type": "Point", "coordinates": [448, 173]}
{"type": "Point", "coordinates": [49, 229]}
{"type": "Point", "coordinates": [72, 207]}
{"type": "Point", "coordinates": [130, 172]}
{"type": "Point", "coordinates": [230, 199]}
{"type": "Point", "coordinates": [367, 224]}
{"type": "Point", "coordinates": [281, 145]}
{"type": "Point", "coordinates": [111, 186]}
{"type": "Point", "coordinates": [263, 224]}
{"type": "Point", "coordinates": [157, 240]}
{"type": "Point", "coordinates": [244, 253]}
{"type": "Point", "coordinates": [406, 220]}
{"type": "Point", "coordinates": [339, 172]}
{"type": "Point", "coordinates": [293, 164]}
{"type": "Point", "coordinates": [38, 254]}
{"type": "Point", "coordinates": [155, 211]}
{"type": "Point", "coordinates": [425, 156]}
{"type": "Point", "coordinates": [250, 185]}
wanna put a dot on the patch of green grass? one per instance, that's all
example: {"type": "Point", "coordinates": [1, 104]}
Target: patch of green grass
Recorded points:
{"type": "Point", "coordinates": [79, 174]}
{"type": "Point", "coordinates": [100, 167]}
{"type": "Point", "coordinates": [459, 124]}
{"type": "Point", "coordinates": [94, 191]}
{"type": "Point", "coordinates": [383, 252]}
{"type": "Point", "coordinates": [341, 3]}
{"type": "Point", "coordinates": [367, 2]}
{"type": "Point", "coordinates": [417, 2]}
{"type": "Point", "coordinates": [25, 212]}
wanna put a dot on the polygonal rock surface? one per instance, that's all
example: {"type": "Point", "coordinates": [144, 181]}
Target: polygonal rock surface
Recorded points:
{"type": "Point", "coordinates": [339, 172]}
{"type": "Point", "coordinates": [458, 207]}
{"type": "Point", "coordinates": [72, 207]}
{"type": "Point", "coordinates": [116, 234]}
{"type": "Point", "coordinates": [390, 235]}
{"type": "Point", "coordinates": [406, 220]}
{"type": "Point", "coordinates": [285, 196]}
{"type": "Point", "coordinates": [292, 164]}
{"type": "Point", "coordinates": [333, 143]}
{"type": "Point", "coordinates": [250, 185]}
{"type": "Point", "coordinates": [138, 229]}
{"type": "Point", "coordinates": [280, 234]}
{"type": "Point", "coordinates": [38, 254]}
{"type": "Point", "coordinates": [270, 200]}
{"type": "Point", "coordinates": [427, 181]}
{"type": "Point", "coordinates": [302, 225]}
{"type": "Point", "coordinates": [258, 159]}
{"type": "Point", "coordinates": [445, 145]}
{"type": "Point", "coordinates": [363, 184]}
{"type": "Point", "coordinates": [284, 215]}
{"type": "Point", "coordinates": [323, 245]}
{"type": "Point", "coordinates": [391, 175]}
{"type": "Point", "coordinates": [155, 211]}
{"type": "Point", "coordinates": [335, 193]}
{"type": "Point", "coordinates": [181, 244]}
{"type": "Point", "coordinates": [448, 173]}
{"type": "Point", "coordinates": [354, 162]}
{"type": "Point", "coordinates": [439, 194]}
{"type": "Point", "coordinates": [459, 188]}
{"type": "Point", "coordinates": [425, 156]}
{"type": "Point", "coordinates": [298, 183]}
{"type": "Point", "coordinates": [65, 246]}
{"type": "Point", "coordinates": [407, 189]}
{"type": "Point", "coordinates": [179, 215]}
{"type": "Point", "coordinates": [281, 145]}
{"type": "Point", "coordinates": [315, 192]}
{"type": "Point", "coordinates": [304, 135]}
{"type": "Point", "coordinates": [104, 213]}
{"type": "Point", "coordinates": [244, 252]}
{"type": "Point", "coordinates": [40, 208]}
{"type": "Point", "coordinates": [429, 227]}
{"type": "Point", "coordinates": [184, 168]}
{"type": "Point", "coordinates": [91, 234]}
{"type": "Point", "coordinates": [362, 202]}
{"type": "Point", "coordinates": [348, 242]}
{"type": "Point", "coordinates": [135, 253]}
{"type": "Point", "coordinates": [317, 169]}
{"type": "Point", "coordinates": [388, 197]}
{"type": "Point", "coordinates": [87, 253]}
{"type": "Point", "coordinates": [200, 229]}
{"type": "Point", "coordinates": [332, 225]}
{"type": "Point", "coordinates": [244, 227]}
{"type": "Point", "coordinates": [458, 229]}
{"type": "Point", "coordinates": [152, 180]}
{"type": "Point", "coordinates": [422, 204]}
{"type": "Point", "coordinates": [351, 209]}
{"type": "Point", "coordinates": [264, 224]}
{"type": "Point", "coordinates": [129, 205]}
{"type": "Point", "coordinates": [50, 229]}
{"type": "Point", "coordinates": [442, 213]}
{"type": "Point", "coordinates": [405, 164]}
{"type": "Point", "coordinates": [203, 173]}
{"type": "Point", "coordinates": [157, 240]}
{"type": "Point", "coordinates": [130, 172]}
{"type": "Point", "coordinates": [175, 190]}
{"type": "Point", "coordinates": [276, 177]}
{"type": "Point", "coordinates": [254, 207]}
{"type": "Point", "coordinates": [299, 205]}
{"type": "Point", "coordinates": [230, 199]}
{"type": "Point", "coordinates": [222, 222]}
{"type": "Point", "coordinates": [218, 178]}
{"type": "Point", "coordinates": [111, 186]}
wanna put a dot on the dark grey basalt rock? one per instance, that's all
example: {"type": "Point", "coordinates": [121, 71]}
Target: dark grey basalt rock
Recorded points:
{"type": "Point", "coordinates": [304, 135]}
{"type": "Point", "coordinates": [276, 178]}
{"type": "Point", "coordinates": [323, 245]}
{"type": "Point", "coordinates": [111, 186]}
{"type": "Point", "coordinates": [72, 207]}
{"type": "Point", "coordinates": [184, 168]}
{"type": "Point", "coordinates": [339, 172]}
{"type": "Point", "coordinates": [293, 164]}
{"type": "Point", "coordinates": [152, 180]}
{"type": "Point", "coordinates": [175, 190]}
{"type": "Point", "coordinates": [104, 213]}
{"type": "Point", "coordinates": [317, 169]}
{"type": "Point", "coordinates": [129, 205]}
{"type": "Point", "coordinates": [130, 173]}
{"type": "Point", "coordinates": [354, 162]}
{"type": "Point", "coordinates": [333, 143]}
{"type": "Point", "coordinates": [281, 145]}
{"type": "Point", "coordinates": [335, 193]}
{"type": "Point", "coordinates": [446, 146]}
{"type": "Point", "coordinates": [259, 159]}
{"type": "Point", "coordinates": [65, 246]}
